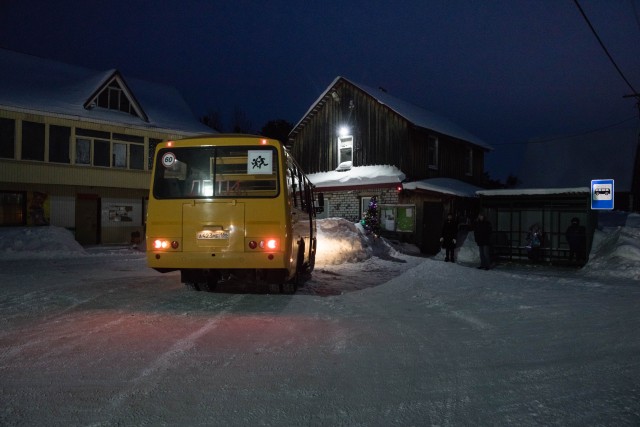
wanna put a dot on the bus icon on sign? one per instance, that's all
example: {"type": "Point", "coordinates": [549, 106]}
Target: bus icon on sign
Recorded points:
{"type": "Point", "coordinates": [602, 194]}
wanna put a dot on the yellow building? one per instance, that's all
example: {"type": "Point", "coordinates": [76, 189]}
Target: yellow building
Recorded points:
{"type": "Point", "coordinates": [76, 146]}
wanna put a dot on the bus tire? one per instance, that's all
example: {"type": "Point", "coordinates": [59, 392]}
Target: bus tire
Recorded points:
{"type": "Point", "coordinates": [312, 255]}
{"type": "Point", "coordinates": [300, 266]}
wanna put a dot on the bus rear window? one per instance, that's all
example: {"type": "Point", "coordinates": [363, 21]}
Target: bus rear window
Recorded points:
{"type": "Point", "coordinates": [204, 172]}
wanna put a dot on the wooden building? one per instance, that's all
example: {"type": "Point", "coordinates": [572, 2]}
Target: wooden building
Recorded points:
{"type": "Point", "coordinates": [352, 126]}
{"type": "Point", "coordinates": [76, 146]}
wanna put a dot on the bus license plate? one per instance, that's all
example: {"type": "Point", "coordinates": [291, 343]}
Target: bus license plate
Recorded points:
{"type": "Point", "coordinates": [212, 235]}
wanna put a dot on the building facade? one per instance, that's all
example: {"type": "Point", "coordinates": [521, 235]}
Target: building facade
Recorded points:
{"type": "Point", "coordinates": [352, 126]}
{"type": "Point", "coordinates": [76, 146]}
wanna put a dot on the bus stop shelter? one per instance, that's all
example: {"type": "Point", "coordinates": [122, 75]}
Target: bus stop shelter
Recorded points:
{"type": "Point", "coordinates": [513, 213]}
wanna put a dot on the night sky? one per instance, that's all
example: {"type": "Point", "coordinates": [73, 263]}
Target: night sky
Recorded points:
{"type": "Point", "coordinates": [506, 70]}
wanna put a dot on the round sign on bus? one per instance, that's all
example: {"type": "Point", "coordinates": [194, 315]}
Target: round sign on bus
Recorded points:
{"type": "Point", "coordinates": [168, 159]}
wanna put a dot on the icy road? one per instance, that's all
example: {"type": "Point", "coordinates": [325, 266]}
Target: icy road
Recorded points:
{"type": "Point", "coordinates": [101, 340]}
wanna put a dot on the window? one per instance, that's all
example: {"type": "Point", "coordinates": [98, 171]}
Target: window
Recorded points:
{"type": "Point", "coordinates": [128, 151]}
{"type": "Point", "coordinates": [119, 155]}
{"type": "Point", "coordinates": [468, 161]}
{"type": "Point", "coordinates": [113, 97]}
{"type": "Point", "coordinates": [202, 172]}
{"type": "Point", "coordinates": [13, 206]}
{"type": "Point", "coordinates": [83, 151]}
{"type": "Point", "coordinates": [136, 156]}
{"type": "Point", "coordinates": [32, 141]}
{"type": "Point", "coordinates": [345, 149]}
{"type": "Point", "coordinates": [100, 148]}
{"type": "Point", "coordinates": [59, 137]}
{"type": "Point", "coordinates": [432, 152]}
{"type": "Point", "coordinates": [7, 138]}
{"type": "Point", "coordinates": [101, 153]}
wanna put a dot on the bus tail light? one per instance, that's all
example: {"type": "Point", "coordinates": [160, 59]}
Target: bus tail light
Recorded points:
{"type": "Point", "coordinates": [264, 244]}
{"type": "Point", "coordinates": [272, 244]}
{"type": "Point", "coordinates": [165, 244]}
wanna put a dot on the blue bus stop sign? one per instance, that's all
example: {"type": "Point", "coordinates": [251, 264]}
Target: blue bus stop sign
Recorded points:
{"type": "Point", "coordinates": [602, 194]}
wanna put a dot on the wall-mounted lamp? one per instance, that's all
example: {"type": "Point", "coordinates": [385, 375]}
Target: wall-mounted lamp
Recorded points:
{"type": "Point", "coordinates": [343, 131]}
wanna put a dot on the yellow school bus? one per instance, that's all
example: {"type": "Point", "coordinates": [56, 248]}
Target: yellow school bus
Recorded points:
{"type": "Point", "coordinates": [230, 206]}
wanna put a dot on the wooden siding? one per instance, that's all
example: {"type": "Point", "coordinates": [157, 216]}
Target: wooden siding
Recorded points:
{"type": "Point", "coordinates": [381, 137]}
{"type": "Point", "coordinates": [23, 172]}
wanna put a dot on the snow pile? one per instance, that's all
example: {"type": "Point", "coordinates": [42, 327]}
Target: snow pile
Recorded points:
{"type": "Point", "coordinates": [616, 250]}
{"type": "Point", "coordinates": [38, 242]}
{"type": "Point", "coordinates": [341, 241]}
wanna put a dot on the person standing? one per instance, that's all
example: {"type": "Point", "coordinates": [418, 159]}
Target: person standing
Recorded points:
{"type": "Point", "coordinates": [448, 238]}
{"type": "Point", "coordinates": [576, 237]}
{"type": "Point", "coordinates": [482, 234]}
{"type": "Point", "coordinates": [535, 242]}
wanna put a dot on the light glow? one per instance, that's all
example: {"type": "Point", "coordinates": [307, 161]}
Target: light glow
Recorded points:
{"type": "Point", "coordinates": [164, 244]}
{"type": "Point", "coordinates": [272, 244]}
{"type": "Point", "coordinates": [207, 187]}
{"type": "Point", "coordinates": [343, 131]}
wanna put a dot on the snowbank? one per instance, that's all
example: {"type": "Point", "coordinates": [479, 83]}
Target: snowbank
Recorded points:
{"type": "Point", "coordinates": [615, 251]}
{"type": "Point", "coordinates": [341, 241]}
{"type": "Point", "coordinates": [38, 243]}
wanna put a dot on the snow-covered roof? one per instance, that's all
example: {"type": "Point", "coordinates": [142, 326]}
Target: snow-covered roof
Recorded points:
{"type": "Point", "coordinates": [444, 186]}
{"type": "Point", "coordinates": [358, 176]}
{"type": "Point", "coordinates": [53, 88]}
{"type": "Point", "coordinates": [414, 114]}
{"type": "Point", "coordinates": [533, 191]}
{"type": "Point", "coordinates": [576, 160]}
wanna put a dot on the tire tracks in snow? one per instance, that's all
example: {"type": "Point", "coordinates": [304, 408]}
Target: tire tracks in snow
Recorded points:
{"type": "Point", "coordinates": [147, 380]}
{"type": "Point", "coordinates": [30, 337]}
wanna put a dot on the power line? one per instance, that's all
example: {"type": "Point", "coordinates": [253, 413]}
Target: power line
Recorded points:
{"type": "Point", "coordinates": [593, 30]}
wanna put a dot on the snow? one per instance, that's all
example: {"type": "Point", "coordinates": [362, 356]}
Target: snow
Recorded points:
{"type": "Point", "coordinates": [378, 336]}
{"type": "Point", "coordinates": [533, 191]}
{"type": "Point", "coordinates": [445, 186]}
{"type": "Point", "coordinates": [32, 84]}
{"type": "Point", "coordinates": [358, 175]}
{"type": "Point", "coordinates": [414, 114]}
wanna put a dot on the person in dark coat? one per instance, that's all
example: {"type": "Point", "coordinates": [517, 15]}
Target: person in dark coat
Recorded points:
{"type": "Point", "coordinates": [448, 238]}
{"type": "Point", "coordinates": [576, 237]}
{"type": "Point", "coordinates": [482, 234]}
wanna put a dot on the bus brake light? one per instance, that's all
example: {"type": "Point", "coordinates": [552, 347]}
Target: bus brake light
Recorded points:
{"type": "Point", "coordinates": [165, 244]}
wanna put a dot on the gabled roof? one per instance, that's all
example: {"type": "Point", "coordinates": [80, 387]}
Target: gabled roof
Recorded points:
{"type": "Point", "coordinates": [115, 80]}
{"type": "Point", "coordinates": [53, 88]}
{"type": "Point", "coordinates": [574, 161]}
{"type": "Point", "coordinates": [413, 114]}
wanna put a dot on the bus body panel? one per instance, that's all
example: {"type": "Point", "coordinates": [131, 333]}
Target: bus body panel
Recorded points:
{"type": "Point", "coordinates": [230, 226]}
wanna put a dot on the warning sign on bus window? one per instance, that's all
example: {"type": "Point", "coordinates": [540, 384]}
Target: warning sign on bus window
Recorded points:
{"type": "Point", "coordinates": [260, 162]}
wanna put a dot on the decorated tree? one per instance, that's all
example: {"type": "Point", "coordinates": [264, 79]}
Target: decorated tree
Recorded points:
{"type": "Point", "coordinates": [371, 221]}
